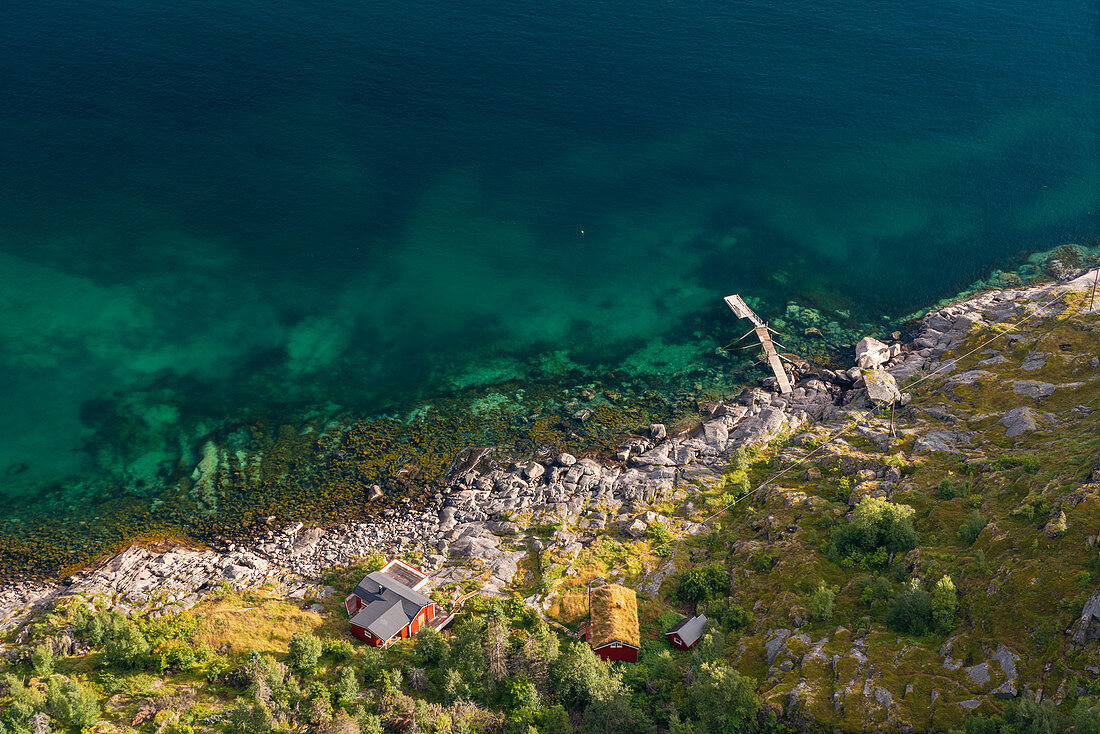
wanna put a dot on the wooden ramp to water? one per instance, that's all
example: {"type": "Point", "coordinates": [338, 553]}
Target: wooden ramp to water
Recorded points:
{"type": "Point", "coordinates": [739, 307]}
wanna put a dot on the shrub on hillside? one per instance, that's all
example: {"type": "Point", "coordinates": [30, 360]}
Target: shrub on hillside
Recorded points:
{"type": "Point", "coordinates": [878, 528]}
{"type": "Point", "coordinates": [911, 610]}
{"type": "Point", "coordinates": [702, 583]}
{"type": "Point", "coordinates": [305, 651]}
{"type": "Point", "coordinates": [740, 459]}
{"type": "Point", "coordinates": [821, 602]}
{"type": "Point", "coordinates": [725, 614]}
{"type": "Point", "coordinates": [42, 660]}
{"type": "Point", "coordinates": [722, 700]}
{"type": "Point", "coordinates": [875, 589]}
{"type": "Point", "coordinates": [337, 649]}
{"type": "Point", "coordinates": [972, 528]}
{"type": "Point", "coordinates": [429, 647]}
{"type": "Point", "coordinates": [949, 490]}
{"type": "Point", "coordinates": [1029, 462]}
{"type": "Point", "coordinates": [71, 703]}
{"type": "Point", "coordinates": [945, 604]}
{"type": "Point", "coordinates": [346, 689]}
{"type": "Point", "coordinates": [127, 649]}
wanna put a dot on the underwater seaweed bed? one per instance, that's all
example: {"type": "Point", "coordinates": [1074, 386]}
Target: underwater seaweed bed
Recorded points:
{"type": "Point", "coordinates": [316, 467]}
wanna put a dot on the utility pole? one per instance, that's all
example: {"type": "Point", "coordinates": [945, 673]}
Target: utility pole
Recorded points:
{"type": "Point", "coordinates": [1092, 298]}
{"type": "Point", "coordinates": [742, 310]}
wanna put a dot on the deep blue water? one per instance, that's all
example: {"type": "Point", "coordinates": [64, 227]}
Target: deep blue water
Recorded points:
{"type": "Point", "coordinates": [206, 206]}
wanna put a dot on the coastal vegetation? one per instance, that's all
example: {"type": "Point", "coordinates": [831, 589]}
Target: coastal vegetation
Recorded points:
{"type": "Point", "coordinates": [930, 572]}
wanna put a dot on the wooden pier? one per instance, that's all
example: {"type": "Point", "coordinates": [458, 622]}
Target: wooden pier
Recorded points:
{"type": "Point", "coordinates": [742, 310]}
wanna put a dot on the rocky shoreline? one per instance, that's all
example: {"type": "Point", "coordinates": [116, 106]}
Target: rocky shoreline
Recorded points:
{"type": "Point", "coordinates": [476, 527]}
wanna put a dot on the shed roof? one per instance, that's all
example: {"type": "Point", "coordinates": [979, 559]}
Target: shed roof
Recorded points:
{"type": "Point", "coordinates": [614, 616]}
{"type": "Point", "coordinates": [689, 630]}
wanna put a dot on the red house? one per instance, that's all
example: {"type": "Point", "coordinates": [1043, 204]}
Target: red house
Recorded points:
{"type": "Point", "coordinates": [613, 623]}
{"type": "Point", "coordinates": [386, 606]}
{"type": "Point", "coordinates": [685, 635]}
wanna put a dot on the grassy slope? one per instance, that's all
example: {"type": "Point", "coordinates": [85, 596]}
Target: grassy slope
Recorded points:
{"type": "Point", "coordinates": [1028, 591]}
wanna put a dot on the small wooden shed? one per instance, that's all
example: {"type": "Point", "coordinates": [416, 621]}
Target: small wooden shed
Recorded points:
{"type": "Point", "coordinates": [687, 632]}
{"type": "Point", "coordinates": [613, 623]}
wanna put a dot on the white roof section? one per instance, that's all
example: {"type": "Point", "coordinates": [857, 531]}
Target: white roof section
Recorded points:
{"type": "Point", "coordinates": [411, 577]}
{"type": "Point", "coordinates": [689, 630]}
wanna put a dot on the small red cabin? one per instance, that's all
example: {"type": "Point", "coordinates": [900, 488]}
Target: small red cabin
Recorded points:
{"type": "Point", "coordinates": [613, 623]}
{"type": "Point", "coordinates": [685, 635]}
{"type": "Point", "coordinates": [386, 606]}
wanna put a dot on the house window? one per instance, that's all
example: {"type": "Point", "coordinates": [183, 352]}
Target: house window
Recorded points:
{"type": "Point", "coordinates": [615, 644]}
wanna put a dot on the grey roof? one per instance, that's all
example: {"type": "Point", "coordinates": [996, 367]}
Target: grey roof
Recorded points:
{"type": "Point", "coordinates": [383, 620]}
{"type": "Point", "coordinates": [689, 630]}
{"type": "Point", "coordinates": [390, 605]}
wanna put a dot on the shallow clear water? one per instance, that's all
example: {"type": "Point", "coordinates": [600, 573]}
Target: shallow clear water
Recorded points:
{"type": "Point", "coordinates": [211, 211]}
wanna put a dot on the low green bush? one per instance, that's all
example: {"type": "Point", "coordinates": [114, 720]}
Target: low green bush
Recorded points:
{"type": "Point", "coordinates": [911, 610]}
{"type": "Point", "coordinates": [728, 616]}
{"type": "Point", "coordinates": [972, 528]}
{"type": "Point", "coordinates": [305, 652]}
{"type": "Point", "coordinates": [949, 489]}
{"type": "Point", "coordinates": [821, 602]}
{"type": "Point", "coordinates": [702, 583]}
{"type": "Point", "coordinates": [879, 528]}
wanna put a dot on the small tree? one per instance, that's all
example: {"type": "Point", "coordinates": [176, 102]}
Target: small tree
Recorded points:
{"type": "Point", "coordinates": [305, 651]}
{"type": "Point", "coordinates": [911, 610]}
{"type": "Point", "coordinates": [454, 688]}
{"type": "Point", "coordinates": [702, 583]}
{"type": "Point", "coordinates": [878, 528]}
{"type": "Point", "coordinates": [429, 647]}
{"type": "Point", "coordinates": [248, 719]}
{"type": "Point", "coordinates": [128, 648]}
{"type": "Point", "coordinates": [42, 660]}
{"type": "Point", "coordinates": [71, 704]}
{"type": "Point", "coordinates": [722, 700]}
{"type": "Point", "coordinates": [875, 589]}
{"type": "Point", "coordinates": [374, 662]}
{"type": "Point", "coordinates": [520, 692]}
{"type": "Point", "coordinates": [346, 689]}
{"type": "Point", "coordinates": [821, 602]}
{"type": "Point", "coordinates": [945, 604]}
{"type": "Point", "coordinates": [711, 647]}
{"type": "Point", "coordinates": [579, 677]}
{"type": "Point", "coordinates": [972, 528]}
{"type": "Point", "coordinates": [370, 724]}
{"type": "Point", "coordinates": [319, 700]}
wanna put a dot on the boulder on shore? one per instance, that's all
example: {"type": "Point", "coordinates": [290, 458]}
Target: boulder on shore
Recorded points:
{"type": "Point", "coordinates": [871, 353]}
{"type": "Point", "coordinates": [881, 386]}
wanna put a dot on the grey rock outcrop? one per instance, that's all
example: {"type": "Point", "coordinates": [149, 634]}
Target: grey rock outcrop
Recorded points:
{"type": "Point", "coordinates": [1033, 389]}
{"type": "Point", "coordinates": [1088, 626]}
{"type": "Point", "coordinates": [1018, 420]}
{"type": "Point", "coordinates": [881, 386]}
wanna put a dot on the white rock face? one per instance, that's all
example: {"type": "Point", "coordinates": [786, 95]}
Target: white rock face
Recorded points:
{"type": "Point", "coordinates": [871, 353]}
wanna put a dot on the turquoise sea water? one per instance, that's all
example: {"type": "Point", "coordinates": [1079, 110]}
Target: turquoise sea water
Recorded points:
{"type": "Point", "coordinates": [212, 210]}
